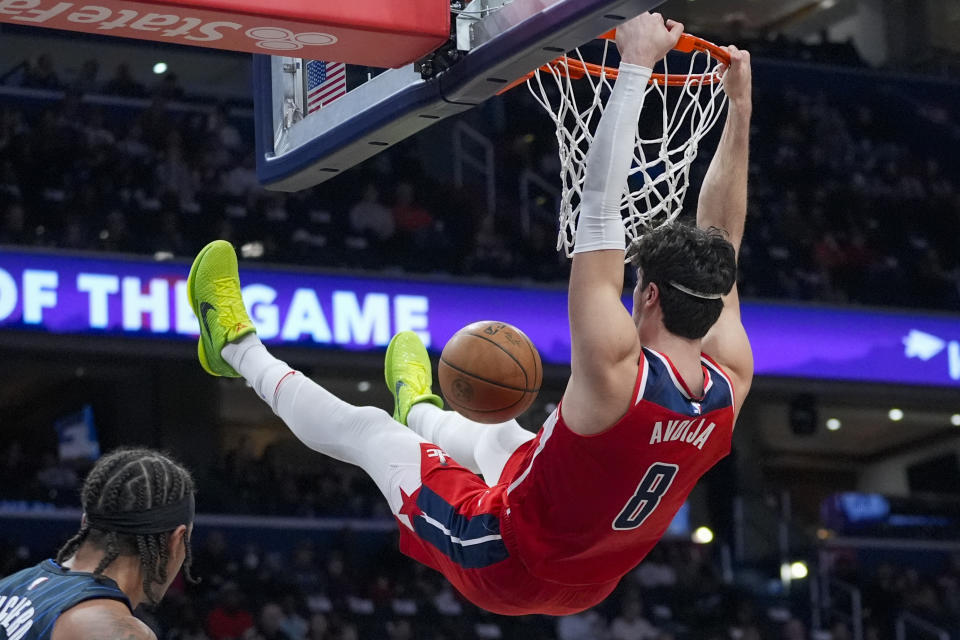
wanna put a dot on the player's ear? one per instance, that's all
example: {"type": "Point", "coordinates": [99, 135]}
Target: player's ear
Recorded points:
{"type": "Point", "coordinates": [175, 540]}
{"type": "Point", "coordinates": [652, 294]}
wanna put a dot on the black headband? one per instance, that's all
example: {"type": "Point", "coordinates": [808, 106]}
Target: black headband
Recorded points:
{"type": "Point", "coordinates": [157, 520]}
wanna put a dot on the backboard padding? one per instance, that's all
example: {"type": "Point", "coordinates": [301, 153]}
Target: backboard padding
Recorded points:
{"type": "Point", "coordinates": [398, 103]}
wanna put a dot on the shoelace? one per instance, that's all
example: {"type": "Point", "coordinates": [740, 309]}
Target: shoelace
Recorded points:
{"type": "Point", "coordinates": [422, 374]}
{"type": "Point", "coordinates": [228, 292]}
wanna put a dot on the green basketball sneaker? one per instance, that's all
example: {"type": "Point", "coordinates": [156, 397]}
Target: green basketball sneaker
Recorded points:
{"type": "Point", "coordinates": [214, 291]}
{"type": "Point", "coordinates": [407, 370]}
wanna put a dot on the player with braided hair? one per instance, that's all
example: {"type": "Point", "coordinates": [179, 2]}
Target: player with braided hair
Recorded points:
{"type": "Point", "coordinates": [134, 537]}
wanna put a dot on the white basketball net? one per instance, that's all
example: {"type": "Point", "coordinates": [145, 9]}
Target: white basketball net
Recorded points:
{"type": "Point", "coordinates": [663, 162]}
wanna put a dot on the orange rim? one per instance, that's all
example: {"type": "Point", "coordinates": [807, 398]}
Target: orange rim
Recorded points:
{"type": "Point", "coordinates": [576, 69]}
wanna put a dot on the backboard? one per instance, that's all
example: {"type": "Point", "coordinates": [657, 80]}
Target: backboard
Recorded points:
{"type": "Point", "coordinates": [494, 43]}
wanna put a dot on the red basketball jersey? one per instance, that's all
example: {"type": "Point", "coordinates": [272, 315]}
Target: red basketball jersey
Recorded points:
{"type": "Point", "coordinates": [587, 509]}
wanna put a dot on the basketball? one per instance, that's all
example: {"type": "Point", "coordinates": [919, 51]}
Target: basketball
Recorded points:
{"type": "Point", "coordinates": [490, 372]}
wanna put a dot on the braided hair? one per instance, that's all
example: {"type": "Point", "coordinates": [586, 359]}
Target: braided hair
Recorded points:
{"type": "Point", "coordinates": [128, 480]}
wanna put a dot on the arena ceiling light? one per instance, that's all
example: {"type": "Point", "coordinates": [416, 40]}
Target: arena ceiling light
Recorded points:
{"type": "Point", "coordinates": [955, 419]}
{"type": "Point", "coordinates": [790, 571]}
{"type": "Point", "coordinates": [833, 424]}
{"type": "Point", "coordinates": [798, 570]}
{"type": "Point", "coordinates": [895, 414]}
{"type": "Point", "coordinates": [160, 68]}
{"type": "Point", "coordinates": [703, 535]}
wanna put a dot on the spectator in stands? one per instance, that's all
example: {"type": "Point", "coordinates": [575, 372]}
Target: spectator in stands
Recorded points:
{"type": "Point", "coordinates": [240, 182]}
{"type": "Point", "coordinates": [920, 596]}
{"type": "Point", "coordinates": [14, 230]}
{"type": "Point", "coordinates": [631, 625]}
{"type": "Point", "coordinates": [75, 234]}
{"type": "Point", "coordinates": [187, 624]}
{"type": "Point", "coordinates": [588, 625]}
{"type": "Point", "coordinates": [840, 631]}
{"type": "Point", "coordinates": [269, 625]}
{"type": "Point", "coordinates": [96, 134]}
{"type": "Point", "coordinates": [169, 87]}
{"type": "Point", "coordinates": [174, 174]}
{"type": "Point", "coordinates": [370, 218]}
{"type": "Point", "coordinates": [446, 601]}
{"type": "Point", "coordinates": [319, 628]}
{"type": "Point", "coordinates": [14, 471]}
{"type": "Point", "coordinates": [293, 624]}
{"type": "Point", "coordinates": [86, 80]}
{"type": "Point", "coordinates": [655, 572]}
{"type": "Point", "coordinates": [745, 627]}
{"type": "Point", "coordinates": [490, 254]}
{"type": "Point", "coordinates": [229, 620]}
{"type": "Point", "coordinates": [399, 629]}
{"type": "Point", "coordinates": [156, 124]}
{"type": "Point", "coordinates": [410, 218]}
{"type": "Point", "coordinates": [169, 239]}
{"type": "Point", "coordinates": [41, 74]}
{"type": "Point", "coordinates": [116, 235]}
{"type": "Point", "coordinates": [223, 132]}
{"type": "Point", "coordinates": [213, 560]}
{"type": "Point", "coordinates": [793, 629]}
{"type": "Point", "coordinates": [349, 631]}
{"type": "Point", "coordinates": [835, 233]}
{"type": "Point", "coordinates": [123, 84]}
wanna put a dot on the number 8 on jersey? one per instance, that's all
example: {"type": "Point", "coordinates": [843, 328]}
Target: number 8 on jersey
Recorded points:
{"type": "Point", "coordinates": [654, 484]}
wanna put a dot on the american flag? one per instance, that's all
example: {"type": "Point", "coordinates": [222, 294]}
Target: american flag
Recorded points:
{"type": "Point", "coordinates": [326, 81]}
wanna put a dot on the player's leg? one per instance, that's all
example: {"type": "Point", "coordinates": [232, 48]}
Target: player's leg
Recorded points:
{"type": "Point", "coordinates": [482, 448]}
{"type": "Point", "coordinates": [486, 447]}
{"type": "Point", "coordinates": [229, 346]}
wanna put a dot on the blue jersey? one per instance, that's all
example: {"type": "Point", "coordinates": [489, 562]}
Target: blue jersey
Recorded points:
{"type": "Point", "coordinates": [31, 600]}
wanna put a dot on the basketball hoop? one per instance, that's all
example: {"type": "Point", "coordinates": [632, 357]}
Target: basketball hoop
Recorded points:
{"type": "Point", "coordinates": [663, 161]}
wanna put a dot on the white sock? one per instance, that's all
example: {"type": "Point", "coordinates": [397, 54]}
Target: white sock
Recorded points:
{"type": "Point", "coordinates": [251, 360]}
{"type": "Point", "coordinates": [482, 448]}
{"type": "Point", "coordinates": [365, 436]}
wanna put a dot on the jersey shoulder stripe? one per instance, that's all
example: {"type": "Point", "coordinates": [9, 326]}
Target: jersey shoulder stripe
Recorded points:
{"type": "Point", "coordinates": [721, 376]}
{"type": "Point", "coordinates": [663, 387]}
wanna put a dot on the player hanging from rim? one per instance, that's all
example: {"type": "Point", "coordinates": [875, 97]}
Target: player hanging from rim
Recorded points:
{"type": "Point", "coordinates": [134, 538]}
{"type": "Point", "coordinates": [559, 517]}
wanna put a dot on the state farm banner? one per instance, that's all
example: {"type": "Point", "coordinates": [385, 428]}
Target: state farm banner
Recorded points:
{"type": "Point", "coordinates": [380, 33]}
{"type": "Point", "coordinates": [113, 296]}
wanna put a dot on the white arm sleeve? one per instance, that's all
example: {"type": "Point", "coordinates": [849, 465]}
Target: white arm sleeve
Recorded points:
{"type": "Point", "coordinates": [599, 225]}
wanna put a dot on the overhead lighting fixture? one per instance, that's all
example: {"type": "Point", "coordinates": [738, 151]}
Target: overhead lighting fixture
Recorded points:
{"type": "Point", "coordinates": [363, 386]}
{"type": "Point", "coordinates": [827, 4]}
{"type": "Point", "coordinates": [895, 414]}
{"type": "Point", "coordinates": [798, 570]}
{"type": "Point", "coordinates": [703, 535]}
{"type": "Point", "coordinates": [833, 424]}
{"type": "Point", "coordinates": [955, 419]}
{"type": "Point", "coordinates": [160, 68]}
